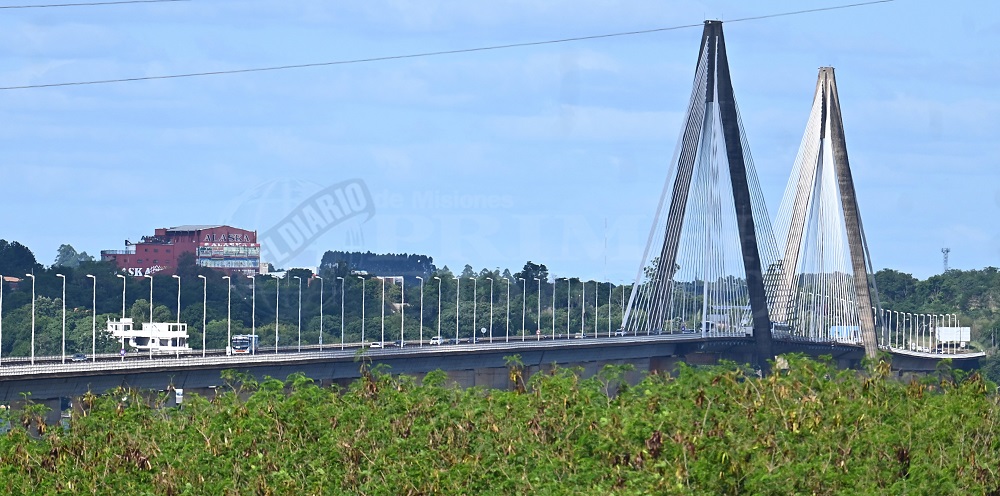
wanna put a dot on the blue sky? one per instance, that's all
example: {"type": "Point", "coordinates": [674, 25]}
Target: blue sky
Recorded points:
{"type": "Point", "coordinates": [553, 153]}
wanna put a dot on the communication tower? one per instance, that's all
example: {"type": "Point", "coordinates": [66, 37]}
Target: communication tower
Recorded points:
{"type": "Point", "coordinates": [944, 251]}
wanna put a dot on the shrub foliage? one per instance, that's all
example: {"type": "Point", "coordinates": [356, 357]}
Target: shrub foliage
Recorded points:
{"type": "Point", "coordinates": [809, 429]}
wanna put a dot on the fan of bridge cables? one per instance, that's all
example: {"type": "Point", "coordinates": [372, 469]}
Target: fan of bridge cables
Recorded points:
{"type": "Point", "coordinates": [825, 283]}
{"type": "Point", "coordinates": [693, 276]}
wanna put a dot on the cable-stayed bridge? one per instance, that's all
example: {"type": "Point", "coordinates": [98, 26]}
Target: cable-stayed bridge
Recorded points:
{"type": "Point", "coordinates": [713, 264]}
{"type": "Point", "coordinates": [717, 279]}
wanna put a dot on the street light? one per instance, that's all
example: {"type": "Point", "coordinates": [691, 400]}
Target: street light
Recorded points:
{"type": "Point", "coordinates": [458, 291]}
{"type": "Point", "coordinates": [439, 307]}
{"type": "Point", "coordinates": [93, 319]}
{"type": "Point", "coordinates": [569, 293]}
{"type": "Point", "coordinates": [507, 339]}
{"type": "Point", "coordinates": [277, 307]}
{"type": "Point", "coordinates": [583, 309]}
{"type": "Point", "coordinates": [524, 303]}
{"type": "Point", "coordinates": [150, 305]}
{"type": "Point", "coordinates": [341, 312]}
{"type": "Point", "coordinates": [204, 303]}
{"type": "Point", "coordinates": [475, 285]}
{"type": "Point", "coordinates": [383, 312]}
{"type": "Point", "coordinates": [402, 309]}
{"type": "Point", "coordinates": [123, 293]}
{"type": "Point", "coordinates": [175, 276]}
{"type": "Point", "coordinates": [611, 289]}
{"type": "Point", "coordinates": [63, 277]}
{"type": "Point", "coordinates": [300, 312]}
{"type": "Point", "coordinates": [229, 313]}
{"type": "Point", "coordinates": [253, 314]}
{"type": "Point", "coordinates": [421, 310]}
{"type": "Point", "coordinates": [538, 331]}
{"type": "Point", "coordinates": [1, 318]}
{"type": "Point", "coordinates": [320, 312]}
{"type": "Point", "coordinates": [32, 276]}
{"type": "Point", "coordinates": [491, 308]}
{"type": "Point", "coordinates": [362, 311]}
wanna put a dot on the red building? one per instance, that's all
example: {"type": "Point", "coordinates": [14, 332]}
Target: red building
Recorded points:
{"type": "Point", "coordinates": [225, 248]}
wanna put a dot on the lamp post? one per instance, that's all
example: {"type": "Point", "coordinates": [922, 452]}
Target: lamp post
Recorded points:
{"type": "Point", "coordinates": [341, 312]}
{"type": "Point", "coordinates": [383, 312]}
{"type": "Point", "coordinates": [150, 276]}
{"type": "Point", "coordinates": [524, 304]}
{"type": "Point", "coordinates": [229, 314]}
{"type": "Point", "coordinates": [583, 309]}
{"type": "Point", "coordinates": [253, 314]}
{"type": "Point", "coordinates": [402, 306]}
{"type": "Point", "coordinates": [421, 310]}
{"type": "Point", "coordinates": [491, 308]}
{"type": "Point", "coordinates": [507, 339]}
{"type": "Point", "coordinates": [458, 290]}
{"type": "Point", "coordinates": [362, 310]}
{"type": "Point", "coordinates": [611, 289]}
{"type": "Point", "coordinates": [123, 294]}
{"type": "Point", "coordinates": [475, 285]}
{"type": "Point", "coordinates": [1, 319]}
{"type": "Point", "coordinates": [300, 312]}
{"type": "Point", "coordinates": [63, 277]}
{"type": "Point", "coordinates": [538, 330]}
{"type": "Point", "coordinates": [175, 276]}
{"type": "Point", "coordinates": [204, 303]}
{"type": "Point", "coordinates": [554, 279]}
{"type": "Point", "coordinates": [277, 307]}
{"type": "Point", "coordinates": [569, 293]}
{"type": "Point", "coordinates": [32, 276]}
{"type": "Point", "coordinates": [93, 319]}
{"type": "Point", "coordinates": [439, 307]}
{"type": "Point", "coordinates": [320, 312]}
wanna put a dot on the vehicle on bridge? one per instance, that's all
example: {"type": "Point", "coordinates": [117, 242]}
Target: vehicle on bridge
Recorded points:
{"type": "Point", "coordinates": [436, 340]}
{"type": "Point", "coordinates": [153, 337]}
{"type": "Point", "coordinates": [245, 343]}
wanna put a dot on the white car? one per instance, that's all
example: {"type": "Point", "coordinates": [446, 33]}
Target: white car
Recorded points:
{"type": "Point", "coordinates": [375, 344]}
{"type": "Point", "coordinates": [436, 340]}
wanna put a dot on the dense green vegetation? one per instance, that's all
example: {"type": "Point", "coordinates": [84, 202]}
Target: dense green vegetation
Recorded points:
{"type": "Point", "coordinates": [473, 306]}
{"type": "Point", "coordinates": [719, 430]}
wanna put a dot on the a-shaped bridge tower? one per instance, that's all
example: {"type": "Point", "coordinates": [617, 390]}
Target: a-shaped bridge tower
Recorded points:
{"type": "Point", "coordinates": [826, 285]}
{"type": "Point", "coordinates": [702, 266]}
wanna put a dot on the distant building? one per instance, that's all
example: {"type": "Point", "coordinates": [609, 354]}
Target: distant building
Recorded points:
{"type": "Point", "coordinates": [225, 248]}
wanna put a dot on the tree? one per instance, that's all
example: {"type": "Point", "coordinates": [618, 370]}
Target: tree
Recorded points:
{"type": "Point", "coordinates": [66, 256]}
{"type": "Point", "coordinates": [533, 270]}
{"type": "Point", "coordinates": [467, 272]}
{"type": "Point", "coordinates": [16, 259]}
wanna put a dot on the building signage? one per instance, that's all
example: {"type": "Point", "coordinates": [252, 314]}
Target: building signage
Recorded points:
{"type": "Point", "coordinates": [227, 238]}
{"type": "Point", "coordinates": [140, 271]}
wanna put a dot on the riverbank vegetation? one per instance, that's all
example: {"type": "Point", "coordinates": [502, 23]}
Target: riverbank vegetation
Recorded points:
{"type": "Point", "coordinates": [807, 429]}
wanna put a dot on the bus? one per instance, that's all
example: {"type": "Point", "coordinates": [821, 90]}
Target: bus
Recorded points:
{"type": "Point", "coordinates": [245, 343]}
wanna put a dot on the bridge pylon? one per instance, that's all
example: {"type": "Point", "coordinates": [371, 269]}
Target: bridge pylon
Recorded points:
{"type": "Point", "coordinates": [702, 266]}
{"type": "Point", "coordinates": [826, 284]}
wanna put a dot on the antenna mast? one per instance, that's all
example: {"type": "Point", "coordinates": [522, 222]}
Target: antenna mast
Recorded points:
{"type": "Point", "coordinates": [945, 251]}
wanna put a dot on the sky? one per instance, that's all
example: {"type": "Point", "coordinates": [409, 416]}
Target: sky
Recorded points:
{"type": "Point", "coordinates": [552, 153]}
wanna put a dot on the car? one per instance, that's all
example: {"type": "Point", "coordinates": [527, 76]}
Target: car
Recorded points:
{"type": "Point", "coordinates": [436, 340]}
{"type": "Point", "coordinates": [375, 344]}
{"type": "Point", "coordinates": [620, 332]}
{"type": "Point", "coordinates": [79, 357]}
{"type": "Point", "coordinates": [580, 335]}
{"type": "Point", "coordinates": [399, 343]}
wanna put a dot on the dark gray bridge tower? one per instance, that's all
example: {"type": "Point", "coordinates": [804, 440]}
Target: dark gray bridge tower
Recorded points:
{"type": "Point", "coordinates": [826, 286]}
{"type": "Point", "coordinates": [702, 267]}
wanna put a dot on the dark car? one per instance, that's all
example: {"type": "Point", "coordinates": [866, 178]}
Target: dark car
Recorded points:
{"type": "Point", "coordinates": [79, 357]}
